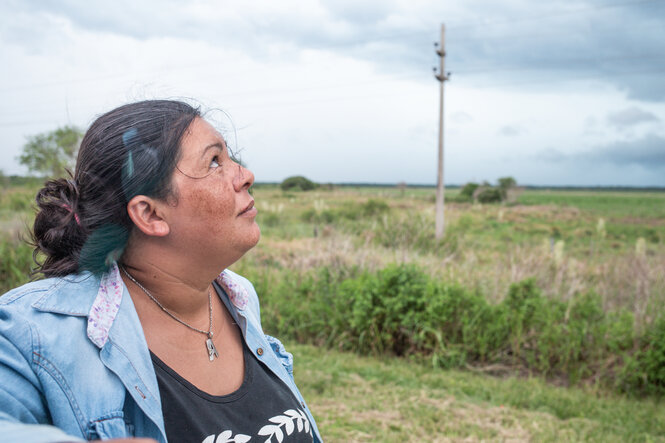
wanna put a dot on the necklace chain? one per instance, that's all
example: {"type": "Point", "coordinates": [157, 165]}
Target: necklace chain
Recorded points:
{"type": "Point", "coordinates": [208, 332]}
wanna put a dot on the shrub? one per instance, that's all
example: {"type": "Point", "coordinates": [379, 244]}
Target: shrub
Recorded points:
{"type": "Point", "coordinates": [298, 183]}
{"type": "Point", "coordinates": [490, 195]}
{"type": "Point", "coordinates": [467, 191]}
{"type": "Point", "coordinates": [374, 207]}
{"type": "Point", "coordinates": [644, 372]}
{"type": "Point", "coordinates": [386, 309]}
{"type": "Point", "coordinates": [400, 310]}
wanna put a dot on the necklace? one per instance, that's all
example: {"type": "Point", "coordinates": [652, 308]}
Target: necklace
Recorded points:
{"type": "Point", "coordinates": [210, 346]}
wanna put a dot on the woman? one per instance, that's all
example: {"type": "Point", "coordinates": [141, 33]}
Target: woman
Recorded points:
{"type": "Point", "coordinates": [140, 329]}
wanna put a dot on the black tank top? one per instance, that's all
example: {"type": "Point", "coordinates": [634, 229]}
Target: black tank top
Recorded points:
{"type": "Point", "coordinates": [263, 409]}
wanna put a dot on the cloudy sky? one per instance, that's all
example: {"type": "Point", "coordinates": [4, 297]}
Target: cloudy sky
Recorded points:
{"type": "Point", "coordinates": [564, 92]}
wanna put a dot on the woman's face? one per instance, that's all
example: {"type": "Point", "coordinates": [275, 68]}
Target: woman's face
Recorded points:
{"type": "Point", "coordinates": [214, 213]}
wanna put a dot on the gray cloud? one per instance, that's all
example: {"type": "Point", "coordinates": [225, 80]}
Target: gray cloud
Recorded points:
{"type": "Point", "coordinates": [510, 131]}
{"type": "Point", "coordinates": [516, 44]}
{"type": "Point", "coordinates": [630, 117]}
{"type": "Point", "coordinates": [647, 152]}
{"type": "Point", "coordinates": [582, 46]}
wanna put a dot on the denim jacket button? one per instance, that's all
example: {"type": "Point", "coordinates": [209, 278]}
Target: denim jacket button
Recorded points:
{"type": "Point", "coordinates": [259, 351]}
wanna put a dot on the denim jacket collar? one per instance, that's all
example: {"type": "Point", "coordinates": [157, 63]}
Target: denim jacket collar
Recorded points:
{"type": "Point", "coordinates": [102, 311]}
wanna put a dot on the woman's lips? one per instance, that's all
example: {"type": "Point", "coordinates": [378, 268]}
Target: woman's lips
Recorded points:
{"type": "Point", "coordinates": [249, 211]}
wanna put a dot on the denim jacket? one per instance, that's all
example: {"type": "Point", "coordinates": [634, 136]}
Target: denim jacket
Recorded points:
{"type": "Point", "coordinates": [74, 363]}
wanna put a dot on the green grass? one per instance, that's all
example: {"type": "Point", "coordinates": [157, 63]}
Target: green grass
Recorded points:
{"type": "Point", "coordinates": [357, 398]}
{"type": "Point", "coordinates": [602, 203]}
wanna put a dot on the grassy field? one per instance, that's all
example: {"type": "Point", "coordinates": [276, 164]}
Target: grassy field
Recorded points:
{"type": "Point", "coordinates": [358, 398]}
{"type": "Point", "coordinates": [574, 280]}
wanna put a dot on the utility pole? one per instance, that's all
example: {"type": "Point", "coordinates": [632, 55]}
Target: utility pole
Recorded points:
{"type": "Point", "coordinates": [442, 76]}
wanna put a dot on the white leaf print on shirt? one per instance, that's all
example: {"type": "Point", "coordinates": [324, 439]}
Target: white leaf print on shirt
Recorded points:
{"type": "Point", "coordinates": [227, 437]}
{"type": "Point", "coordinates": [287, 420]}
{"type": "Point", "coordinates": [291, 420]}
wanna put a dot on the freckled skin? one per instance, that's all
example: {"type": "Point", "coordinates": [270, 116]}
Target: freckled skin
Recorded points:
{"type": "Point", "coordinates": [187, 240]}
{"type": "Point", "coordinates": [206, 218]}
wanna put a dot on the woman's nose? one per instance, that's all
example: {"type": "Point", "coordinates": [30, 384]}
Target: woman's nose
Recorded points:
{"type": "Point", "coordinates": [243, 179]}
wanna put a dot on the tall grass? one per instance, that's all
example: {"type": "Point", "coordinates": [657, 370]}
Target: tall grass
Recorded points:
{"type": "Point", "coordinates": [15, 262]}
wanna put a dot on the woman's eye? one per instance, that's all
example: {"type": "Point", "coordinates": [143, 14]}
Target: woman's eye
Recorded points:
{"type": "Point", "coordinates": [214, 163]}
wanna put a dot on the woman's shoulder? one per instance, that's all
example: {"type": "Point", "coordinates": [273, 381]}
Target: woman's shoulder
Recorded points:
{"type": "Point", "coordinates": [69, 293]}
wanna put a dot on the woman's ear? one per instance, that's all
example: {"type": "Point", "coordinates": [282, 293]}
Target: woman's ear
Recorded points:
{"type": "Point", "coordinates": [147, 216]}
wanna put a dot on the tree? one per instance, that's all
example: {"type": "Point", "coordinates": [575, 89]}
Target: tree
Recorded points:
{"type": "Point", "coordinates": [298, 182]}
{"type": "Point", "coordinates": [506, 184]}
{"type": "Point", "coordinates": [50, 153]}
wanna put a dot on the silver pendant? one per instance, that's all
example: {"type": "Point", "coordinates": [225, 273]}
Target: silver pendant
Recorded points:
{"type": "Point", "coordinates": [212, 350]}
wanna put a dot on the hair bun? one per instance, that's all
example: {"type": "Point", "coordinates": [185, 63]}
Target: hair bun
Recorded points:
{"type": "Point", "coordinates": [58, 231]}
{"type": "Point", "coordinates": [60, 196]}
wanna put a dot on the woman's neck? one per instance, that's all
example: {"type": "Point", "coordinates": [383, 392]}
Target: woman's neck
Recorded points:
{"type": "Point", "coordinates": [179, 285]}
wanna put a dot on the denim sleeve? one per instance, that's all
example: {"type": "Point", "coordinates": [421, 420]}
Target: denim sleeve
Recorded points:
{"type": "Point", "coordinates": [17, 432]}
{"type": "Point", "coordinates": [24, 416]}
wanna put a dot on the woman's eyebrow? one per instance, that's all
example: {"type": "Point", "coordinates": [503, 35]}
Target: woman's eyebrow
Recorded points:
{"type": "Point", "coordinates": [219, 145]}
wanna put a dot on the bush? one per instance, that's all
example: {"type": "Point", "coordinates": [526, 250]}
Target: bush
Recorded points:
{"type": "Point", "coordinates": [386, 309]}
{"type": "Point", "coordinates": [400, 310]}
{"type": "Point", "coordinates": [467, 191]}
{"type": "Point", "coordinates": [644, 372]}
{"type": "Point", "coordinates": [490, 195]}
{"type": "Point", "coordinates": [374, 207]}
{"type": "Point", "coordinates": [298, 183]}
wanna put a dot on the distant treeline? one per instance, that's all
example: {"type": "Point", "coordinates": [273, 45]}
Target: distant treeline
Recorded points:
{"type": "Point", "coordinates": [17, 180]}
{"type": "Point", "coordinates": [456, 186]}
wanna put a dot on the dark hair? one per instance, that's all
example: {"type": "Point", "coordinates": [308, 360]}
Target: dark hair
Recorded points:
{"type": "Point", "coordinates": [82, 222]}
